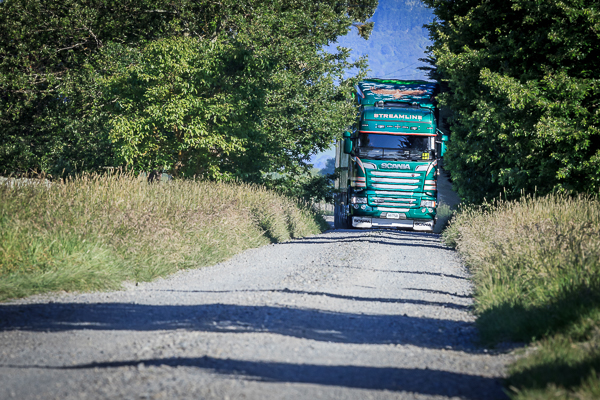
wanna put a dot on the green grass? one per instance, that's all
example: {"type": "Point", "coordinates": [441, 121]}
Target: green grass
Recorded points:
{"type": "Point", "coordinates": [444, 210]}
{"type": "Point", "coordinates": [536, 269]}
{"type": "Point", "coordinates": [94, 232]}
{"type": "Point", "coordinates": [444, 216]}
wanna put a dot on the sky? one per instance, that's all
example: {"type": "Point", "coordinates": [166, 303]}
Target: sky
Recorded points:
{"type": "Point", "coordinates": [397, 42]}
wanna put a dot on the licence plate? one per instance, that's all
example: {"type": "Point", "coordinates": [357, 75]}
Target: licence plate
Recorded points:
{"type": "Point", "coordinates": [393, 215]}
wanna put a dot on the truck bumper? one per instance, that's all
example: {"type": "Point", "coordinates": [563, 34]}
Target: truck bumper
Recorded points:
{"type": "Point", "coordinates": [417, 225]}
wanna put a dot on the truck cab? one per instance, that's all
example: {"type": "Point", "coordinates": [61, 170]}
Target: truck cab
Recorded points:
{"type": "Point", "coordinates": [387, 163]}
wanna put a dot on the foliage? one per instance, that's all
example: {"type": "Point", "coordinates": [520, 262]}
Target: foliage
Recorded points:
{"type": "Point", "coordinates": [96, 231]}
{"type": "Point", "coordinates": [536, 269]}
{"type": "Point", "coordinates": [48, 112]}
{"type": "Point", "coordinates": [183, 104]}
{"type": "Point", "coordinates": [312, 187]}
{"type": "Point", "coordinates": [524, 91]}
{"type": "Point", "coordinates": [214, 109]}
{"type": "Point", "coordinates": [91, 83]}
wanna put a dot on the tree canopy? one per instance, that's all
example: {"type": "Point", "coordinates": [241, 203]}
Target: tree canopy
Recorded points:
{"type": "Point", "coordinates": [228, 89]}
{"type": "Point", "coordinates": [524, 90]}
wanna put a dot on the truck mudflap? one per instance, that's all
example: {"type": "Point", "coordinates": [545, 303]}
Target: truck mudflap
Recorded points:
{"type": "Point", "coordinates": [417, 225]}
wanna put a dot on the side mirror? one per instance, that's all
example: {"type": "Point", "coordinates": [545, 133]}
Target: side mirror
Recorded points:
{"type": "Point", "coordinates": [347, 142]}
{"type": "Point", "coordinates": [443, 146]}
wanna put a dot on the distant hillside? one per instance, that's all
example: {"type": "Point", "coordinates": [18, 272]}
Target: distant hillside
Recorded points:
{"type": "Point", "coordinates": [320, 160]}
{"type": "Point", "coordinates": [397, 42]}
{"type": "Point", "coordinates": [329, 167]}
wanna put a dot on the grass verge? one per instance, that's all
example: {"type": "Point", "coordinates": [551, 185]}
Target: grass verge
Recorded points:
{"type": "Point", "coordinates": [94, 232]}
{"type": "Point", "coordinates": [536, 269]}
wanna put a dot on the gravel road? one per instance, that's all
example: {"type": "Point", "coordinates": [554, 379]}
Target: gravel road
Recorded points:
{"type": "Point", "coordinates": [343, 315]}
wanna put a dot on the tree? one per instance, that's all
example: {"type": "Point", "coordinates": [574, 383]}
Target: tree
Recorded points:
{"type": "Point", "coordinates": [524, 91]}
{"type": "Point", "coordinates": [78, 84]}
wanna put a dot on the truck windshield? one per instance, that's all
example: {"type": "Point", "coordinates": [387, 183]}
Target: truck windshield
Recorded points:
{"type": "Point", "coordinates": [392, 147]}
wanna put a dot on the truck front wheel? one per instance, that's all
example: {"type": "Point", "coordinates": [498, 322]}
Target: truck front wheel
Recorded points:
{"type": "Point", "coordinates": [340, 219]}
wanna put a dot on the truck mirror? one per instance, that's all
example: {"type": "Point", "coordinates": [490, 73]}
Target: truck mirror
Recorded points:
{"type": "Point", "coordinates": [443, 145]}
{"type": "Point", "coordinates": [347, 145]}
{"type": "Point", "coordinates": [347, 142]}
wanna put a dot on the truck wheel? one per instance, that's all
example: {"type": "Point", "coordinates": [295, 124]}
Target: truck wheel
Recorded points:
{"type": "Point", "coordinates": [340, 219]}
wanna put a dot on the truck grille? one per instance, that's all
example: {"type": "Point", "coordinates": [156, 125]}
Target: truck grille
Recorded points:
{"type": "Point", "coordinates": [396, 174]}
{"type": "Point", "coordinates": [395, 180]}
{"type": "Point", "coordinates": [399, 187]}
{"type": "Point", "coordinates": [395, 204]}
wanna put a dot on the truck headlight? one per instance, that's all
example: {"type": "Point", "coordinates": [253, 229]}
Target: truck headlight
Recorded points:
{"type": "Point", "coordinates": [358, 200]}
{"type": "Point", "coordinates": [427, 203]}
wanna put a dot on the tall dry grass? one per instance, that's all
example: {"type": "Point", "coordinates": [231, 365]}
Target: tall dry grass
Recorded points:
{"type": "Point", "coordinates": [97, 231]}
{"type": "Point", "coordinates": [529, 252]}
{"type": "Point", "coordinates": [536, 269]}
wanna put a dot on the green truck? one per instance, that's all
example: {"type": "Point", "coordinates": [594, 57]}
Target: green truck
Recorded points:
{"type": "Point", "coordinates": [387, 165]}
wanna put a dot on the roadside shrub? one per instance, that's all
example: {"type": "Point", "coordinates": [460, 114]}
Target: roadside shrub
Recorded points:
{"type": "Point", "coordinates": [96, 231]}
{"type": "Point", "coordinates": [536, 269]}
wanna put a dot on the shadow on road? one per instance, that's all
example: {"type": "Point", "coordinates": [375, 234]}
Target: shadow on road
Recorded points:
{"type": "Point", "coordinates": [395, 271]}
{"type": "Point", "coordinates": [289, 321]}
{"type": "Point", "coordinates": [335, 296]}
{"type": "Point", "coordinates": [392, 238]}
{"type": "Point", "coordinates": [462, 296]}
{"type": "Point", "coordinates": [424, 381]}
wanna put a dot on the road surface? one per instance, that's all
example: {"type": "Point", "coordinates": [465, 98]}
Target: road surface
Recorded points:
{"type": "Point", "coordinates": [346, 314]}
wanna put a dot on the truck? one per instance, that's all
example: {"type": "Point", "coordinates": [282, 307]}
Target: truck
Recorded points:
{"type": "Point", "coordinates": [387, 162]}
